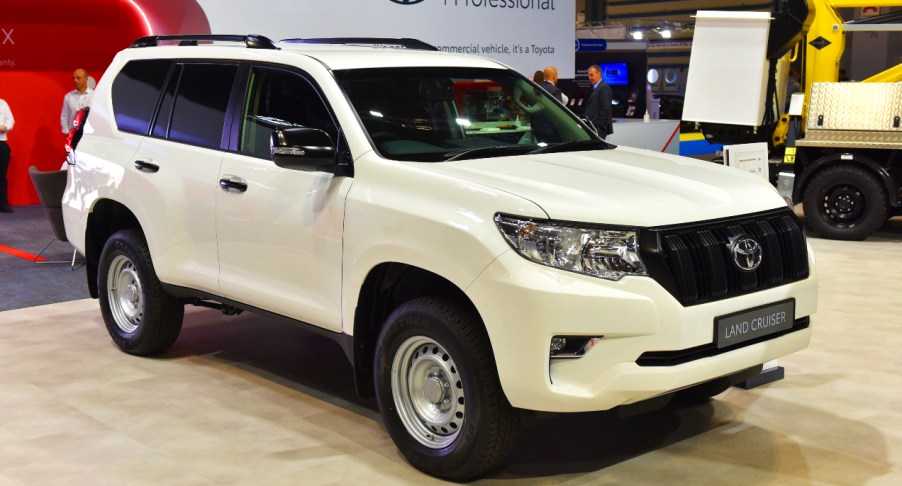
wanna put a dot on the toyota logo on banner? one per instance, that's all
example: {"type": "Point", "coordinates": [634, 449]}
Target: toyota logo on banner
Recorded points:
{"type": "Point", "coordinates": [747, 253]}
{"type": "Point", "coordinates": [407, 2]}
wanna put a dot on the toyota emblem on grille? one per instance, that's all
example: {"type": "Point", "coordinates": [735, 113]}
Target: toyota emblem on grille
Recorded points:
{"type": "Point", "coordinates": [747, 253]}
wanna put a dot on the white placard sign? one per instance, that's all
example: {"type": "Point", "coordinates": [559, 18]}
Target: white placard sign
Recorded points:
{"type": "Point", "coordinates": [727, 79]}
{"type": "Point", "coordinates": [528, 35]}
{"type": "Point", "coordinates": [750, 157]}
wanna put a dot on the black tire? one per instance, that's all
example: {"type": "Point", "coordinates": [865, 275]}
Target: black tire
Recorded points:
{"type": "Point", "coordinates": [140, 316]}
{"type": "Point", "coordinates": [456, 424]}
{"type": "Point", "coordinates": [845, 202]}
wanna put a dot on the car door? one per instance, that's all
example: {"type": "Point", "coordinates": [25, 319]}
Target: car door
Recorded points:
{"type": "Point", "coordinates": [170, 182]}
{"type": "Point", "coordinates": [279, 231]}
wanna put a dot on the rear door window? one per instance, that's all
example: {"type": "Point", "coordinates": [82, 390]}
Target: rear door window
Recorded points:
{"type": "Point", "coordinates": [200, 104]}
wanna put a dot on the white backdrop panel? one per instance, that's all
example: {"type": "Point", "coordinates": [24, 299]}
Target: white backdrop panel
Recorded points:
{"type": "Point", "coordinates": [525, 34]}
{"type": "Point", "coordinates": [727, 80]}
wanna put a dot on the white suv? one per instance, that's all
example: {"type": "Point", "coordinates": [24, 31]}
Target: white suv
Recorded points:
{"type": "Point", "coordinates": [474, 247]}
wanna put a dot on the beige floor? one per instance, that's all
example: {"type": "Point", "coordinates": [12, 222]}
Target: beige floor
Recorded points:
{"type": "Point", "coordinates": [248, 401]}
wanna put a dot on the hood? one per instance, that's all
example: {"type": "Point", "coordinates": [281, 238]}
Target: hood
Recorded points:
{"type": "Point", "coordinates": [623, 186]}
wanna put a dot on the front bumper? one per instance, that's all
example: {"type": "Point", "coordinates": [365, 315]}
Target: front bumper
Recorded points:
{"type": "Point", "coordinates": [523, 305]}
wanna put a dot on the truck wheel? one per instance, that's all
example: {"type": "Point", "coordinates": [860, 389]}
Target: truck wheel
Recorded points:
{"type": "Point", "coordinates": [139, 315]}
{"type": "Point", "coordinates": [439, 394]}
{"type": "Point", "coordinates": [845, 203]}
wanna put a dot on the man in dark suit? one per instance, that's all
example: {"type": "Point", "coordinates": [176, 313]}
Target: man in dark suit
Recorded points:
{"type": "Point", "coordinates": [598, 107]}
{"type": "Point", "coordinates": [550, 83]}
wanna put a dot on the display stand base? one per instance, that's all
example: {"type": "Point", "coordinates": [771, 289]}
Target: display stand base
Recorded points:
{"type": "Point", "coordinates": [763, 378]}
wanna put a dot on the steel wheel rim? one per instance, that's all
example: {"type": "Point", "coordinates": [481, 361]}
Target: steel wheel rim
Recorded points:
{"type": "Point", "coordinates": [125, 294]}
{"type": "Point", "coordinates": [428, 392]}
{"type": "Point", "coordinates": [845, 205]}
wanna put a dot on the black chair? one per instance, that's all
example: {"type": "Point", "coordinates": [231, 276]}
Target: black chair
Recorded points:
{"type": "Point", "coordinates": [50, 186]}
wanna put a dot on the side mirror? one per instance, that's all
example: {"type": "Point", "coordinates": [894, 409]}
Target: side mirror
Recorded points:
{"type": "Point", "coordinates": [302, 148]}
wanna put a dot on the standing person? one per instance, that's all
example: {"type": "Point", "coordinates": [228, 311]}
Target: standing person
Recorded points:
{"type": "Point", "coordinates": [6, 124]}
{"type": "Point", "coordinates": [792, 86]}
{"type": "Point", "coordinates": [550, 83]}
{"type": "Point", "coordinates": [598, 108]}
{"type": "Point", "coordinates": [76, 99]}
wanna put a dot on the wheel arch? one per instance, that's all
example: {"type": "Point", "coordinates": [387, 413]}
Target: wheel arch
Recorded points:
{"type": "Point", "coordinates": [107, 217]}
{"type": "Point", "coordinates": [850, 158]}
{"type": "Point", "coordinates": [387, 286]}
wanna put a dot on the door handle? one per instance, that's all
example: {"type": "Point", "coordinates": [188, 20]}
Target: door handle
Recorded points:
{"type": "Point", "coordinates": [145, 166]}
{"type": "Point", "coordinates": [231, 184]}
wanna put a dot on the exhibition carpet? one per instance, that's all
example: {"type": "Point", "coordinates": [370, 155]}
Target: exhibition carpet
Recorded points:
{"type": "Point", "coordinates": [249, 400]}
{"type": "Point", "coordinates": [24, 283]}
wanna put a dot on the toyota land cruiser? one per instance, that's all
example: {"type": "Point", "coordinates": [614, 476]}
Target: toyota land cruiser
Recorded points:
{"type": "Point", "coordinates": [475, 248]}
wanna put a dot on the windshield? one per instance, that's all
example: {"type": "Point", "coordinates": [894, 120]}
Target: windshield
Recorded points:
{"type": "Point", "coordinates": [437, 114]}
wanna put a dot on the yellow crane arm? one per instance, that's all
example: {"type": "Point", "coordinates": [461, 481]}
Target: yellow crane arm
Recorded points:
{"type": "Point", "coordinates": [891, 75]}
{"type": "Point", "coordinates": [825, 41]}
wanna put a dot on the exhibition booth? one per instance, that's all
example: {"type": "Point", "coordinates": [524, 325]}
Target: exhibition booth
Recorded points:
{"type": "Point", "coordinates": [41, 52]}
{"type": "Point", "coordinates": [41, 48]}
{"type": "Point", "coordinates": [351, 243]}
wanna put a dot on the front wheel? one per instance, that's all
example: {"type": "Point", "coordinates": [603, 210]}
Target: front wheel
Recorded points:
{"type": "Point", "coordinates": [845, 202]}
{"type": "Point", "coordinates": [139, 315]}
{"type": "Point", "coordinates": [439, 393]}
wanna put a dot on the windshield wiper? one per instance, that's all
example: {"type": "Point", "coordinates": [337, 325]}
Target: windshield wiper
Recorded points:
{"type": "Point", "coordinates": [574, 146]}
{"type": "Point", "coordinates": [484, 151]}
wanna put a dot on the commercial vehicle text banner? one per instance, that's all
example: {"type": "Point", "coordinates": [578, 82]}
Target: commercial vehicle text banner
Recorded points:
{"type": "Point", "coordinates": [525, 34]}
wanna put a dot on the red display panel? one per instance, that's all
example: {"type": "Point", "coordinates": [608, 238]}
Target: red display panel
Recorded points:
{"type": "Point", "coordinates": [42, 43]}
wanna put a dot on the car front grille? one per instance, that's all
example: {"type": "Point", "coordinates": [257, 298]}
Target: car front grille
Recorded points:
{"type": "Point", "coordinates": [695, 262]}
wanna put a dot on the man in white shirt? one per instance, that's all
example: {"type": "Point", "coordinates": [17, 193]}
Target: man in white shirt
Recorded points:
{"type": "Point", "coordinates": [6, 124]}
{"type": "Point", "coordinates": [76, 99]}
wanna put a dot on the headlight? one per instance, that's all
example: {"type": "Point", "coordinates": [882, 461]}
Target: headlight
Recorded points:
{"type": "Point", "coordinates": [598, 252]}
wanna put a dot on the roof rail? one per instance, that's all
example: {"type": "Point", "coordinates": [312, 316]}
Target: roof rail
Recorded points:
{"type": "Point", "coordinates": [251, 41]}
{"type": "Point", "coordinates": [406, 42]}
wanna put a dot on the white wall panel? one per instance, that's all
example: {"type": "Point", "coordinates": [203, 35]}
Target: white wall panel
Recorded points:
{"type": "Point", "coordinates": [526, 34]}
{"type": "Point", "coordinates": [727, 78]}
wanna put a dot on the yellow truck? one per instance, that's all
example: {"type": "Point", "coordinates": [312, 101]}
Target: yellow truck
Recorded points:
{"type": "Point", "coordinates": [837, 149]}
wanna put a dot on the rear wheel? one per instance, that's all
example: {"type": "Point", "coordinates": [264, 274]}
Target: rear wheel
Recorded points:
{"type": "Point", "coordinates": [845, 202]}
{"type": "Point", "coordinates": [139, 315]}
{"type": "Point", "coordinates": [439, 393]}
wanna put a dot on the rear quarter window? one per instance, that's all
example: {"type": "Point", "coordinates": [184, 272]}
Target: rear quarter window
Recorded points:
{"type": "Point", "coordinates": [135, 92]}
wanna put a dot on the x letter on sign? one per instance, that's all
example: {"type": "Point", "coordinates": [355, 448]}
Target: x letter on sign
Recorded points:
{"type": "Point", "coordinates": [8, 36]}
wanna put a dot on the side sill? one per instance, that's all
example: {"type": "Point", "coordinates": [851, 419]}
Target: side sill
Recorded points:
{"type": "Point", "coordinates": [192, 296]}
